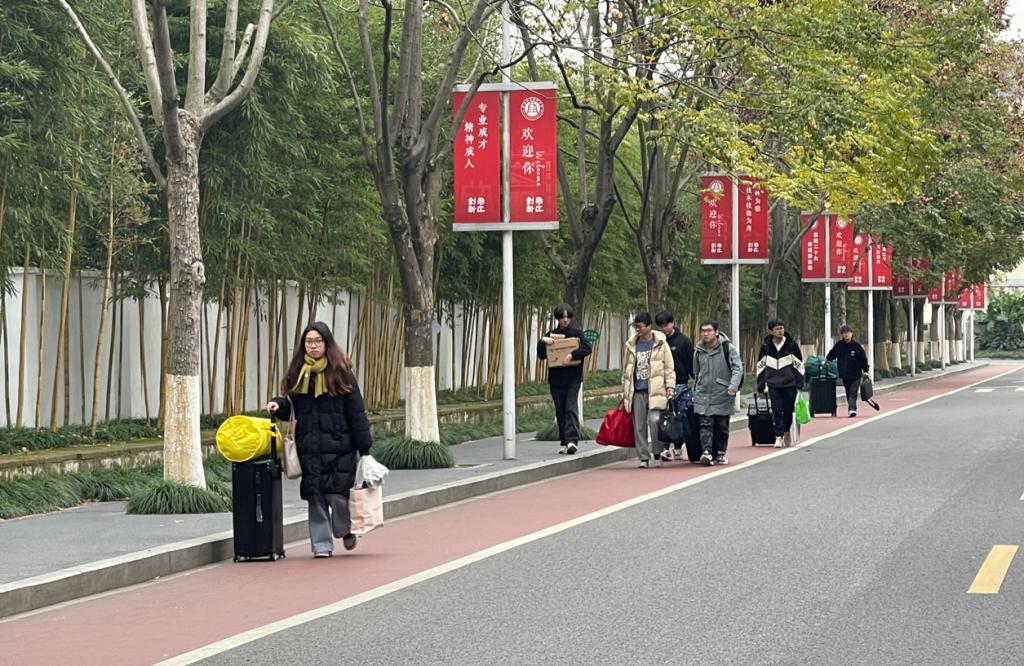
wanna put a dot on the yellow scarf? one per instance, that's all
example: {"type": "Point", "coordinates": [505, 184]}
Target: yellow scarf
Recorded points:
{"type": "Point", "coordinates": [311, 366]}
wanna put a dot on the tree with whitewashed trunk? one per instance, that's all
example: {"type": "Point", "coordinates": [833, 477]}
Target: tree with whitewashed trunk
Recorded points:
{"type": "Point", "coordinates": [407, 155]}
{"type": "Point", "coordinates": [182, 127]}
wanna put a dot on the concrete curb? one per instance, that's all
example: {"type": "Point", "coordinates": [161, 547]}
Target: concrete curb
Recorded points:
{"type": "Point", "coordinates": [105, 575]}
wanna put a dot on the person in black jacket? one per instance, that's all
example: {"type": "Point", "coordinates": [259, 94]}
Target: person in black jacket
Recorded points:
{"type": "Point", "coordinates": [853, 364]}
{"type": "Point", "coordinates": [331, 430]}
{"type": "Point", "coordinates": [780, 370]}
{"type": "Point", "coordinates": [565, 380]}
{"type": "Point", "coordinates": [681, 347]}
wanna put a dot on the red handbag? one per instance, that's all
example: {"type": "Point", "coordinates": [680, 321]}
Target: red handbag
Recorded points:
{"type": "Point", "coordinates": [617, 428]}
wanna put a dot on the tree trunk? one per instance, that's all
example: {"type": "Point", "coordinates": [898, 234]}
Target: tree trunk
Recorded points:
{"type": "Point", "coordinates": [22, 339]}
{"type": "Point", "coordinates": [183, 460]}
{"type": "Point", "coordinates": [878, 342]}
{"type": "Point", "coordinates": [724, 308]}
{"type": "Point", "coordinates": [62, 328]}
{"type": "Point", "coordinates": [806, 292]}
{"type": "Point", "coordinates": [839, 306]}
{"type": "Point", "coordinates": [658, 277]}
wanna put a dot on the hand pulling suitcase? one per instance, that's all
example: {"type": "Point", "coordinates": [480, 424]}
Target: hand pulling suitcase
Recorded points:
{"type": "Point", "coordinates": [257, 512]}
{"type": "Point", "coordinates": [823, 396]}
{"type": "Point", "coordinates": [759, 421]}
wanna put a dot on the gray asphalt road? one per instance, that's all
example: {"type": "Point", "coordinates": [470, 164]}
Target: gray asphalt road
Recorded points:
{"type": "Point", "coordinates": [858, 550]}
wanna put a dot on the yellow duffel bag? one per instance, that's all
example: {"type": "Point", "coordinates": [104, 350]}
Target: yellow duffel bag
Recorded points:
{"type": "Point", "coordinates": [242, 438]}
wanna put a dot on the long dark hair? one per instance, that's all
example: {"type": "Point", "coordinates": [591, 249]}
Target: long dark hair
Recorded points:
{"type": "Point", "coordinates": [339, 367]}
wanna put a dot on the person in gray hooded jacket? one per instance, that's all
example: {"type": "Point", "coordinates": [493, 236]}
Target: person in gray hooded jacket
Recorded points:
{"type": "Point", "coordinates": [714, 392]}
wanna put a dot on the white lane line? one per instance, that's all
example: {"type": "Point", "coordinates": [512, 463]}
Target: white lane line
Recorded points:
{"type": "Point", "coordinates": [984, 390]}
{"type": "Point", "coordinates": [1020, 389]}
{"type": "Point", "coordinates": [238, 640]}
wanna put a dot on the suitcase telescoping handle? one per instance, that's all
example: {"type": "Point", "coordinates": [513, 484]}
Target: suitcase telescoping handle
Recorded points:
{"type": "Point", "coordinates": [274, 435]}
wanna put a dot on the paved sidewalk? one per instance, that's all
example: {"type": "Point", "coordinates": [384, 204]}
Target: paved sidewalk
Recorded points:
{"type": "Point", "coordinates": [70, 554]}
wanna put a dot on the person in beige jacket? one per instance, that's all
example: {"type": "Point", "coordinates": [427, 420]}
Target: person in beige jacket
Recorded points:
{"type": "Point", "coordinates": [648, 382]}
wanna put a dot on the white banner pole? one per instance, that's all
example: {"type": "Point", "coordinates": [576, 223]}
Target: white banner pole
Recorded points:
{"type": "Point", "coordinates": [735, 298]}
{"type": "Point", "coordinates": [508, 332]}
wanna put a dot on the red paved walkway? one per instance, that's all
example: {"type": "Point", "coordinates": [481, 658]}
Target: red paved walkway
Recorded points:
{"type": "Point", "coordinates": [155, 621]}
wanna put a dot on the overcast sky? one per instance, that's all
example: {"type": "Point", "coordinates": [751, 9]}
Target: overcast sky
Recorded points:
{"type": "Point", "coordinates": [1015, 8]}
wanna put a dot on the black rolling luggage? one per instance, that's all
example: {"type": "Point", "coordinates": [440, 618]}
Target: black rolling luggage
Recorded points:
{"type": "Point", "coordinates": [823, 396]}
{"type": "Point", "coordinates": [693, 448]}
{"type": "Point", "coordinates": [759, 421]}
{"type": "Point", "coordinates": [257, 507]}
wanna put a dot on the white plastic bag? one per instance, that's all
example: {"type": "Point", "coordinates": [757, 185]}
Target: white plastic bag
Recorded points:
{"type": "Point", "coordinates": [370, 472]}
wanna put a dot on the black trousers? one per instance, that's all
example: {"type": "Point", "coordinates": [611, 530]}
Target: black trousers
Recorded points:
{"type": "Point", "coordinates": [783, 404]}
{"type": "Point", "coordinates": [714, 434]}
{"type": "Point", "coordinates": [567, 412]}
{"type": "Point", "coordinates": [852, 387]}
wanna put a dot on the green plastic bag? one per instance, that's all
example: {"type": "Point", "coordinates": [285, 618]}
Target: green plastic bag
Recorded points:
{"type": "Point", "coordinates": [802, 412]}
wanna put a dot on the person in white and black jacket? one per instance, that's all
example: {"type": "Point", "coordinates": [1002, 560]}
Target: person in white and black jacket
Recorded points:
{"type": "Point", "coordinates": [780, 370]}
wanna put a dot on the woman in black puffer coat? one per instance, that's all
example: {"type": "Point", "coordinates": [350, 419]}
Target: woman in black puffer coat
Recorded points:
{"type": "Point", "coordinates": [331, 431]}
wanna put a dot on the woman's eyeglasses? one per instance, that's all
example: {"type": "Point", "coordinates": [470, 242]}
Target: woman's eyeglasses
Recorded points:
{"type": "Point", "coordinates": [314, 342]}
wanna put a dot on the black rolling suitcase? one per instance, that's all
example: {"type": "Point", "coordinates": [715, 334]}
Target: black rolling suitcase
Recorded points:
{"type": "Point", "coordinates": [759, 421]}
{"type": "Point", "coordinates": [257, 507]}
{"type": "Point", "coordinates": [693, 448]}
{"type": "Point", "coordinates": [823, 396]}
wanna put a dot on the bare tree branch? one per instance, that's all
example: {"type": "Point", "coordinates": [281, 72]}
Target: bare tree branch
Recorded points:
{"type": "Point", "coordinates": [241, 91]}
{"type": "Point", "coordinates": [195, 90]}
{"type": "Point", "coordinates": [168, 84]}
{"type": "Point", "coordinates": [227, 55]}
{"type": "Point", "coordinates": [243, 48]}
{"type": "Point", "coordinates": [364, 139]}
{"type": "Point", "coordinates": [122, 94]}
{"type": "Point", "coordinates": [144, 45]}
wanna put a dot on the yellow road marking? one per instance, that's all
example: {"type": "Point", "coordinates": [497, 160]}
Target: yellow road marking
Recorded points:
{"type": "Point", "coordinates": [993, 570]}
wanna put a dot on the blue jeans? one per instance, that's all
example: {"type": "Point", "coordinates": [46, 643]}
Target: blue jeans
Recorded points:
{"type": "Point", "coordinates": [328, 516]}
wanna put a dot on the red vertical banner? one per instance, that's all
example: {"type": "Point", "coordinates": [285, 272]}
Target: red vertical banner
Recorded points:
{"type": "Point", "coordinates": [841, 247]}
{"type": "Point", "coordinates": [978, 296]}
{"type": "Point", "coordinates": [477, 160]}
{"type": "Point", "coordinates": [860, 278]}
{"type": "Point", "coordinates": [963, 301]}
{"type": "Point", "coordinates": [935, 293]}
{"type": "Point", "coordinates": [533, 151]}
{"type": "Point", "coordinates": [753, 230]}
{"type": "Point", "coordinates": [901, 287]}
{"type": "Point", "coordinates": [950, 286]}
{"type": "Point", "coordinates": [716, 219]}
{"type": "Point", "coordinates": [881, 265]}
{"type": "Point", "coordinates": [812, 249]}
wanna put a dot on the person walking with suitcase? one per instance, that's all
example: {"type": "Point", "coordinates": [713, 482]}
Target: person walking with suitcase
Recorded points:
{"type": "Point", "coordinates": [853, 364]}
{"type": "Point", "coordinates": [719, 373]}
{"type": "Point", "coordinates": [648, 383]}
{"type": "Point", "coordinates": [780, 372]}
{"type": "Point", "coordinates": [565, 380]}
{"type": "Point", "coordinates": [682, 361]}
{"type": "Point", "coordinates": [331, 431]}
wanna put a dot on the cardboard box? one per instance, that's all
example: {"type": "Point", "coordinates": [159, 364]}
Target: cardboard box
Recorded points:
{"type": "Point", "coordinates": [559, 348]}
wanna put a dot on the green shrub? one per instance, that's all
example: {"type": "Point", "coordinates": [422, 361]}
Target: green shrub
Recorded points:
{"type": "Point", "coordinates": [13, 440]}
{"type": "Point", "coordinates": [169, 497]}
{"type": "Point", "coordinates": [406, 453]}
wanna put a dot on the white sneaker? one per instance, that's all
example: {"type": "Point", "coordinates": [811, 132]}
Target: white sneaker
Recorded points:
{"type": "Point", "coordinates": [778, 442]}
{"type": "Point", "coordinates": [678, 455]}
{"type": "Point", "coordinates": [564, 449]}
{"type": "Point", "coordinates": [571, 448]}
{"type": "Point", "coordinates": [657, 461]}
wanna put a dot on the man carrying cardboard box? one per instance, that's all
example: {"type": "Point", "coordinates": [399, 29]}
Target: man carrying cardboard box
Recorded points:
{"type": "Point", "coordinates": [564, 348]}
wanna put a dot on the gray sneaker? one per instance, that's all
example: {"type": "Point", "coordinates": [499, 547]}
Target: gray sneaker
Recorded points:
{"type": "Point", "coordinates": [705, 459]}
{"type": "Point", "coordinates": [678, 453]}
{"type": "Point", "coordinates": [571, 448]}
{"type": "Point", "coordinates": [721, 459]}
